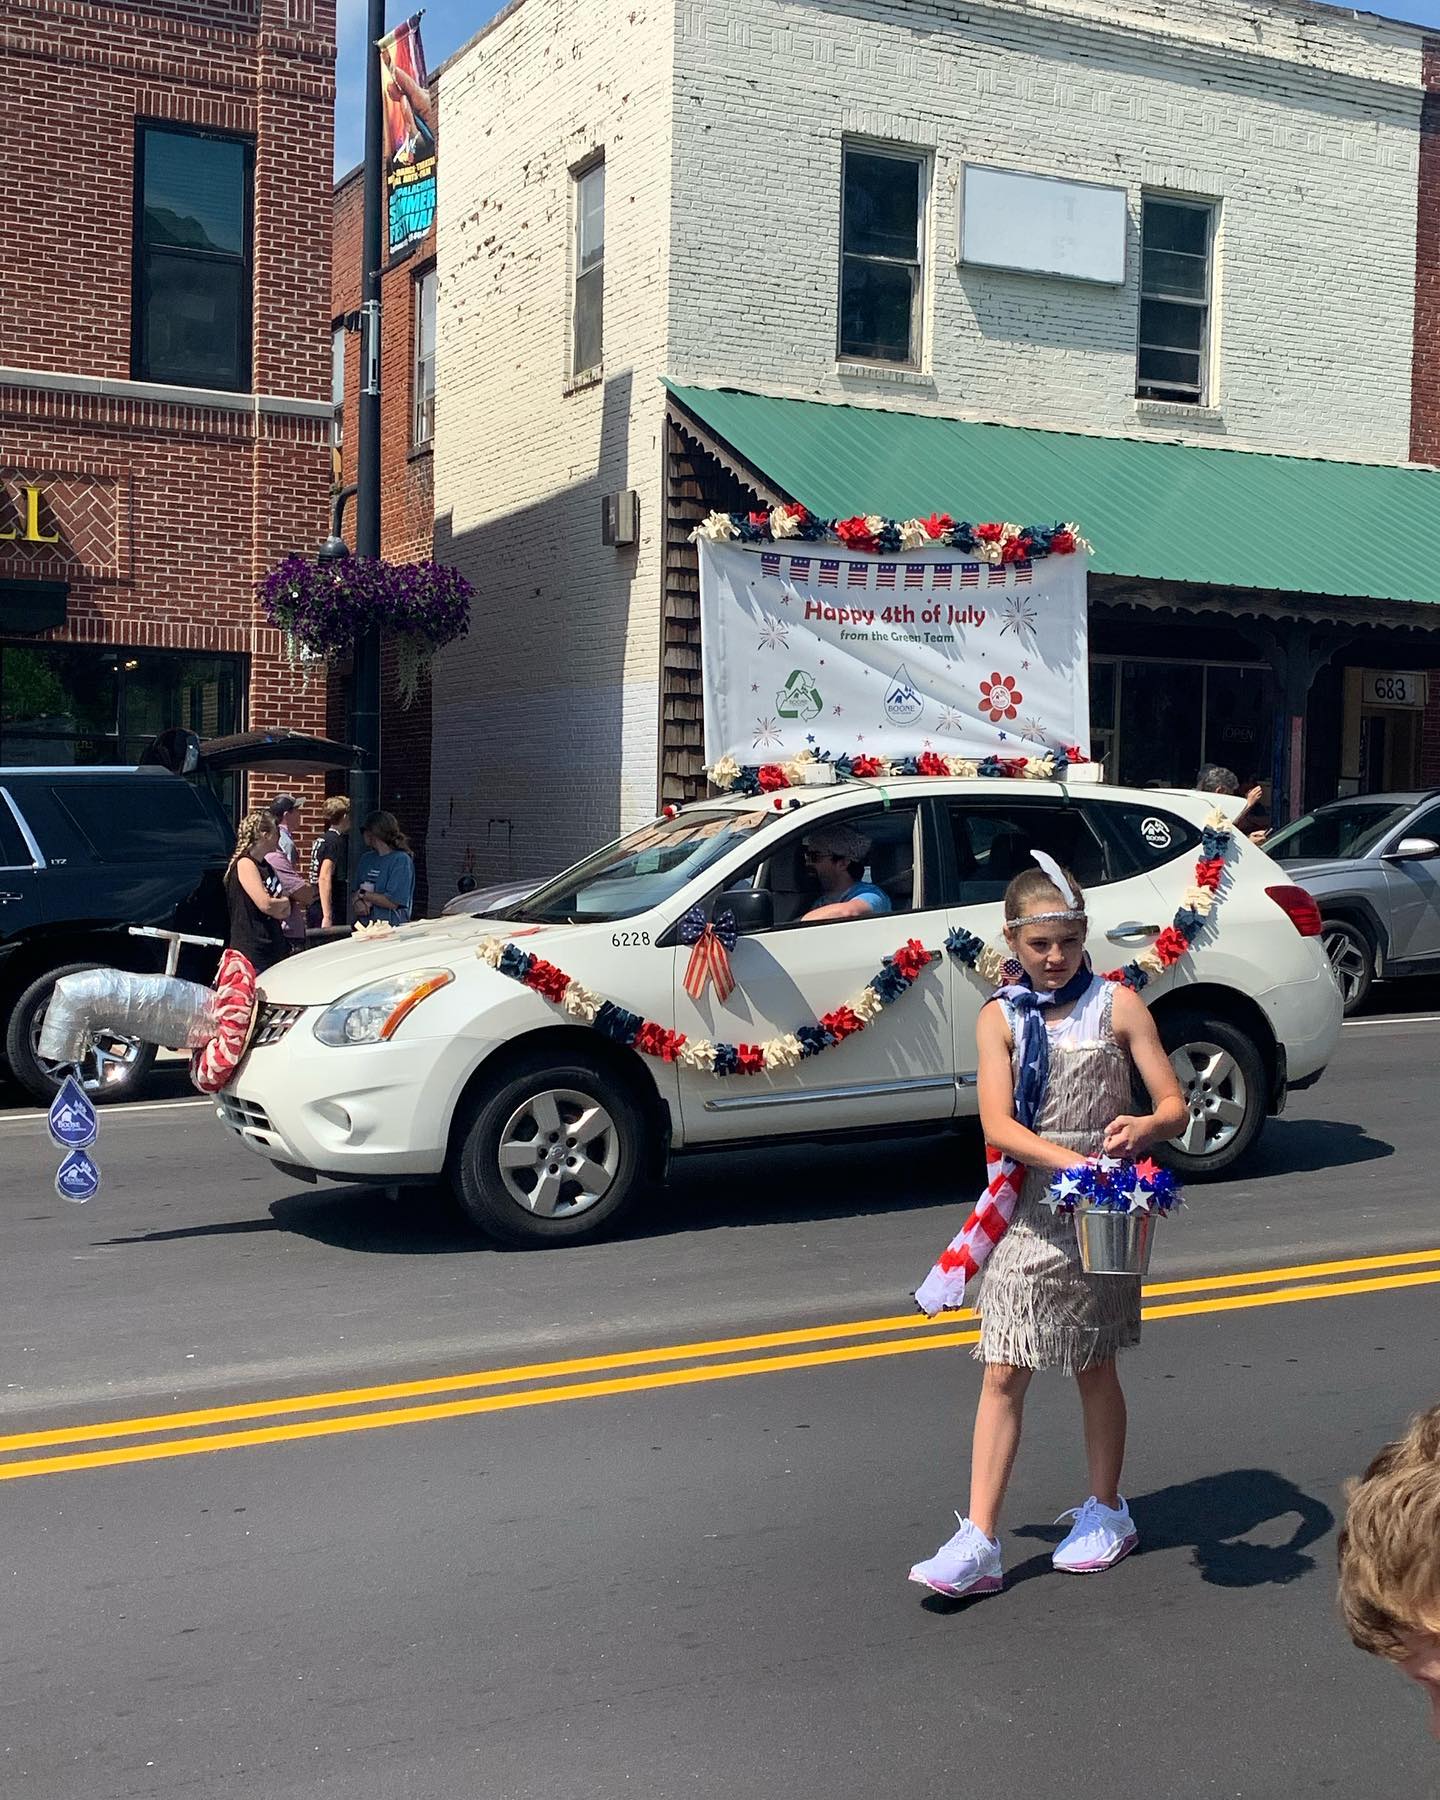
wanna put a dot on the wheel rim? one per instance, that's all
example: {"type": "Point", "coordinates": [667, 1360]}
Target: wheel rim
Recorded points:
{"type": "Point", "coordinates": [1347, 964]}
{"type": "Point", "coordinates": [559, 1153]}
{"type": "Point", "coordinates": [1216, 1094]}
{"type": "Point", "coordinates": [106, 1064]}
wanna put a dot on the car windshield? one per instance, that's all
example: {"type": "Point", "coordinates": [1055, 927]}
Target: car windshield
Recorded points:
{"type": "Point", "coordinates": [641, 870]}
{"type": "Point", "coordinates": [1351, 829]}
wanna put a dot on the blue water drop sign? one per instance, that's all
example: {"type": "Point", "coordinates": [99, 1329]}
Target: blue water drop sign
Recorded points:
{"type": "Point", "coordinates": [73, 1121]}
{"type": "Point", "coordinates": [77, 1178]}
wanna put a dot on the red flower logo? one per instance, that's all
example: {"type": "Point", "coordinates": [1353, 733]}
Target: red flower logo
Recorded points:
{"type": "Point", "coordinates": [999, 696]}
{"type": "Point", "coordinates": [866, 767]}
{"type": "Point", "coordinates": [989, 534]}
{"type": "Point", "coordinates": [928, 763]}
{"type": "Point", "coordinates": [856, 534]}
{"type": "Point", "coordinates": [771, 776]}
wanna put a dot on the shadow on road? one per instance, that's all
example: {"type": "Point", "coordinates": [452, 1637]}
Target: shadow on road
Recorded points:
{"type": "Point", "coordinates": [1219, 1518]}
{"type": "Point", "coordinates": [1304, 1146]}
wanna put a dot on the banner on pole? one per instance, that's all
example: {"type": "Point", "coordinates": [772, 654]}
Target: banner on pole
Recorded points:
{"type": "Point", "coordinates": [820, 649]}
{"type": "Point", "coordinates": [409, 136]}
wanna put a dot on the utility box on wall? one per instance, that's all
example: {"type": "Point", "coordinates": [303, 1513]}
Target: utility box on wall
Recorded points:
{"type": "Point", "coordinates": [620, 517]}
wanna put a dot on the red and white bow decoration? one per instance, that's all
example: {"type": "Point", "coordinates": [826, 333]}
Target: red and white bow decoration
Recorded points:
{"type": "Point", "coordinates": [712, 940]}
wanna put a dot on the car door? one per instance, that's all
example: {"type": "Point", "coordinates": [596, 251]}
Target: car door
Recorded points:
{"type": "Point", "coordinates": [21, 861]}
{"type": "Point", "coordinates": [898, 1070]}
{"type": "Point", "coordinates": [989, 840]}
{"type": "Point", "coordinates": [1414, 893]}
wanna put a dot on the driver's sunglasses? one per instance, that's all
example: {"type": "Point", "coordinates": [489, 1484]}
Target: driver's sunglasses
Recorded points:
{"type": "Point", "coordinates": [812, 856]}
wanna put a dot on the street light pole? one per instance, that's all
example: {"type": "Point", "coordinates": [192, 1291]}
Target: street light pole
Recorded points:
{"type": "Point", "coordinates": [365, 681]}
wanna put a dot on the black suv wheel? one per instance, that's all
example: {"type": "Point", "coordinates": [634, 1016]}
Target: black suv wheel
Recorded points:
{"type": "Point", "coordinates": [114, 1069]}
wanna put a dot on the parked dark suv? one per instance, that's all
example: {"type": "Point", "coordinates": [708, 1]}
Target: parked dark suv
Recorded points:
{"type": "Point", "coordinates": [87, 852]}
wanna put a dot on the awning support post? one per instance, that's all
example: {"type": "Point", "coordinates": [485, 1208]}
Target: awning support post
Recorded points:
{"type": "Point", "coordinates": [1296, 656]}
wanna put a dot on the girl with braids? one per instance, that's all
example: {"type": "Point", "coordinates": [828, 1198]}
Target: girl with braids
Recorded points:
{"type": "Point", "coordinates": [256, 911]}
{"type": "Point", "coordinates": [1058, 1051]}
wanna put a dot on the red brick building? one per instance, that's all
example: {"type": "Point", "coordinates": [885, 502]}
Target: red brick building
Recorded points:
{"type": "Point", "coordinates": [164, 374]}
{"type": "Point", "coordinates": [407, 508]}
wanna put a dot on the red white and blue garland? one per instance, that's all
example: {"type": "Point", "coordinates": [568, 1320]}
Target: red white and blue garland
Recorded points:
{"type": "Point", "coordinates": [1193, 914]}
{"type": "Point", "coordinates": [732, 777]}
{"type": "Point", "coordinates": [896, 976]}
{"type": "Point", "coordinates": [872, 534]}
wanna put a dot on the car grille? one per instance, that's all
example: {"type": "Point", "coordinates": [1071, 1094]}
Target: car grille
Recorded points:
{"type": "Point", "coordinates": [273, 1023]}
{"type": "Point", "coordinates": [243, 1115]}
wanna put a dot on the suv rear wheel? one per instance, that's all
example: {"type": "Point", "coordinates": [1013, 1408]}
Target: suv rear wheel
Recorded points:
{"type": "Point", "coordinates": [1222, 1082]}
{"type": "Point", "coordinates": [114, 1069]}
{"type": "Point", "coordinates": [551, 1156]}
{"type": "Point", "coordinates": [1352, 960]}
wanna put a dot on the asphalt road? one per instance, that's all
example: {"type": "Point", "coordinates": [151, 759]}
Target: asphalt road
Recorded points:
{"type": "Point", "coordinates": [371, 1540]}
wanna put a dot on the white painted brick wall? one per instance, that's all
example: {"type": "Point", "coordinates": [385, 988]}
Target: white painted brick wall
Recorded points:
{"type": "Point", "coordinates": [546, 715]}
{"type": "Point", "coordinates": [722, 123]}
{"type": "Point", "coordinates": [1301, 121]}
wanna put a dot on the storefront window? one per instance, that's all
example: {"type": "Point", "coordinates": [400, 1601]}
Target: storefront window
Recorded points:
{"type": "Point", "coordinates": [78, 703]}
{"type": "Point", "coordinates": [1155, 723]}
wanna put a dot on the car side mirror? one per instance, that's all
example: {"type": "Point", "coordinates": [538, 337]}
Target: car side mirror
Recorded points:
{"type": "Point", "coordinates": [1414, 849]}
{"type": "Point", "coordinates": [753, 908]}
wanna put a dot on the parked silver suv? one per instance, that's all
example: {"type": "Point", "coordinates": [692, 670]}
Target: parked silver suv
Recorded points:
{"type": "Point", "coordinates": [1373, 867]}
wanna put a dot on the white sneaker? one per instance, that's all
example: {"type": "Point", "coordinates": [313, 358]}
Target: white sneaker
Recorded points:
{"type": "Point", "coordinates": [1098, 1539]}
{"type": "Point", "coordinates": [968, 1563]}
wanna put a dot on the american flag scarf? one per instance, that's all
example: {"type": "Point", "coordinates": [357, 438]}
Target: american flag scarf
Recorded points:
{"type": "Point", "coordinates": [943, 1289]}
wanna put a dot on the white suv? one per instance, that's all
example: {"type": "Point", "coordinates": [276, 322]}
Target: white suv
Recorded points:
{"type": "Point", "coordinates": [408, 1055]}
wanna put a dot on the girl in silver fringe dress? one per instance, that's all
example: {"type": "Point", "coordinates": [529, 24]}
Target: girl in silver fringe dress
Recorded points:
{"type": "Point", "coordinates": [1038, 1309]}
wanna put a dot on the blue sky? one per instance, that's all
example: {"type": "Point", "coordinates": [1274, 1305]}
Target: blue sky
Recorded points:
{"type": "Point", "coordinates": [450, 23]}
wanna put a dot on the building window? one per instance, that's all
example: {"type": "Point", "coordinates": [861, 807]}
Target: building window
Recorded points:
{"type": "Point", "coordinates": [423, 384]}
{"type": "Point", "coordinates": [882, 256]}
{"type": "Point", "coordinates": [1176, 237]}
{"type": "Point", "coordinates": [193, 227]}
{"type": "Point", "coordinates": [337, 384]}
{"type": "Point", "coordinates": [83, 703]}
{"type": "Point", "coordinates": [586, 342]}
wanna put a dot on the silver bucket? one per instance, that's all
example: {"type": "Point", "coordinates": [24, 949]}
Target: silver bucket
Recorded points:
{"type": "Point", "coordinates": [1114, 1243]}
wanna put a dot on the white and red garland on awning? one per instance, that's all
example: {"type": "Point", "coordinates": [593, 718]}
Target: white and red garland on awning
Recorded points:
{"type": "Point", "coordinates": [895, 977]}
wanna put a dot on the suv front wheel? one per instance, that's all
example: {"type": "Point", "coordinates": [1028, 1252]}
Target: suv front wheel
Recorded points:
{"type": "Point", "coordinates": [1222, 1082]}
{"type": "Point", "coordinates": [114, 1069]}
{"type": "Point", "coordinates": [551, 1156]}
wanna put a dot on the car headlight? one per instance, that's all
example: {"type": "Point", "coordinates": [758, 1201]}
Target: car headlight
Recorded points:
{"type": "Point", "coordinates": [369, 1015]}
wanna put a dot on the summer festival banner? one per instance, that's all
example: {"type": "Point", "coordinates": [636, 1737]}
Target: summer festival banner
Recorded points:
{"type": "Point", "coordinates": [890, 655]}
{"type": "Point", "coordinates": [409, 136]}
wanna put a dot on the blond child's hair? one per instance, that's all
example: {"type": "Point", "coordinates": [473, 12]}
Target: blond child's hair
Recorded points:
{"type": "Point", "coordinates": [336, 808]}
{"type": "Point", "coordinates": [1390, 1544]}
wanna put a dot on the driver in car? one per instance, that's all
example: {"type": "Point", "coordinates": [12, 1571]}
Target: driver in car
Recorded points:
{"type": "Point", "coordinates": [836, 856]}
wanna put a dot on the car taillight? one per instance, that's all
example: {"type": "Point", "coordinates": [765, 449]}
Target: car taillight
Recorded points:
{"type": "Point", "coordinates": [1299, 907]}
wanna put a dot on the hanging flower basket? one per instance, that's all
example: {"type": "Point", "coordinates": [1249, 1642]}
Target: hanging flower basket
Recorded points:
{"type": "Point", "coordinates": [323, 607]}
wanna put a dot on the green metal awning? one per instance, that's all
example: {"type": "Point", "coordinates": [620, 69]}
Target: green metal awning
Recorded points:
{"type": "Point", "coordinates": [1161, 512]}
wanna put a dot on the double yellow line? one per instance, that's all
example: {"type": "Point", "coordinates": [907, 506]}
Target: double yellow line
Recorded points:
{"type": "Point", "coordinates": [345, 1410]}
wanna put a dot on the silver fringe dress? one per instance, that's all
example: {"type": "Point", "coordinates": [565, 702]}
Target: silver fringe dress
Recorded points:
{"type": "Point", "coordinates": [1038, 1308]}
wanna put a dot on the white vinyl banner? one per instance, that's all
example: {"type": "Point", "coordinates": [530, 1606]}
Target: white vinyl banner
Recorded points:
{"type": "Point", "coordinates": [814, 648]}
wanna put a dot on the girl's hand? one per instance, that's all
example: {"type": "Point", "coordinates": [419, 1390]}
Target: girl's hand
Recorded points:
{"type": "Point", "coordinates": [1128, 1137]}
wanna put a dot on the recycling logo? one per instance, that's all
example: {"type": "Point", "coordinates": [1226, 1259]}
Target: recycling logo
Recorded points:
{"type": "Point", "coordinates": [799, 698]}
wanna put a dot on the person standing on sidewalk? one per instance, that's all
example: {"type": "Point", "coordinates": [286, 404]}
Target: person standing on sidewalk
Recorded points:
{"type": "Point", "coordinates": [329, 863]}
{"type": "Point", "coordinates": [385, 874]}
{"type": "Point", "coordinates": [281, 862]}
